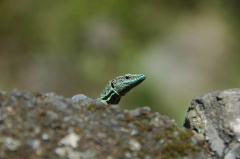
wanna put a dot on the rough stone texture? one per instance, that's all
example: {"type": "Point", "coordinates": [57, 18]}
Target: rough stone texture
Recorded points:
{"type": "Point", "coordinates": [216, 115]}
{"type": "Point", "coordinates": [46, 125]}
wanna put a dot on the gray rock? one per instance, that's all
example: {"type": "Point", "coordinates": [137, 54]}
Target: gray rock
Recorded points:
{"type": "Point", "coordinates": [10, 143]}
{"type": "Point", "coordinates": [216, 115]}
{"type": "Point", "coordinates": [83, 100]}
{"type": "Point", "coordinates": [78, 97]}
{"type": "Point", "coordinates": [33, 143]}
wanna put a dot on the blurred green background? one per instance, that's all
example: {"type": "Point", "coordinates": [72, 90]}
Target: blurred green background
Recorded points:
{"type": "Point", "coordinates": [185, 48]}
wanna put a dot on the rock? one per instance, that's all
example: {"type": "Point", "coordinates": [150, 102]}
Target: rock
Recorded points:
{"type": "Point", "coordinates": [78, 97]}
{"type": "Point", "coordinates": [47, 125]}
{"type": "Point", "coordinates": [84, 100]}
{"type": "Point", "coordinates": [11, 144]}
{"type": "Point", "coordinates": [69, 140]}
{"type": "Point", "coordinates": [216, 115]}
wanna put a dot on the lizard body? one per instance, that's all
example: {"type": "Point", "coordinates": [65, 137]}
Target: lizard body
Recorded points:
{"type": "Point", "coordinates": [118, 87]}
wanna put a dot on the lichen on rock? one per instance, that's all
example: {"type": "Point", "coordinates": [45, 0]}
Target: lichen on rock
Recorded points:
{"type": "Point", "coordinates": [47, 125]}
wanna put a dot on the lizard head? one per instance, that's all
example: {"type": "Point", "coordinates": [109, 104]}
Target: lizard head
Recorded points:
{"type": "Point", "coordinates": [125, 83]}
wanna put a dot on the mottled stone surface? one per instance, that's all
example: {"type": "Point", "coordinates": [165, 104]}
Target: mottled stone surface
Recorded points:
{"type": "Point", "coordinates": [216, 115]}
{"type": "Point", "coordinates": [46, 125]}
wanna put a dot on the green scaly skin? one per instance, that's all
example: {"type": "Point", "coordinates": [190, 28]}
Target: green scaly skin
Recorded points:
{"type": "Point", "coordinates": [118, 87]}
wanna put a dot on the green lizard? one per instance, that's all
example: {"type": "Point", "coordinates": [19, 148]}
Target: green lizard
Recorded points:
{"type": "Point", "coordinates": [118, 87]}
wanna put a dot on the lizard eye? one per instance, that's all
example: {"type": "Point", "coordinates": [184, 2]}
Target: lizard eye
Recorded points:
{"type": "Point", "coordinates": [112, 85]}
{"type": "Point", "coordinates": [127, 77]}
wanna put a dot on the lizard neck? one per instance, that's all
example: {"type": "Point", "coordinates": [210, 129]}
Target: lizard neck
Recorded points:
{"type": "Point", "coordinates": [111, 97]}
